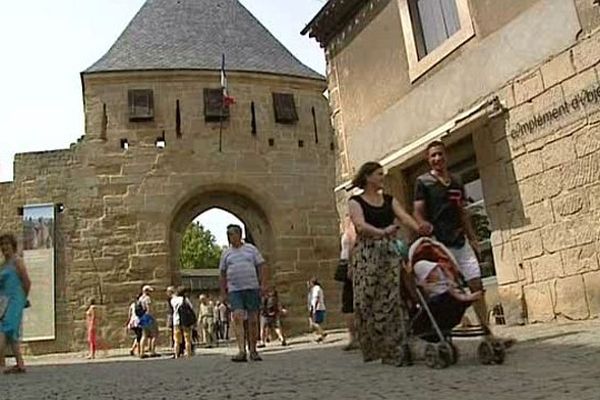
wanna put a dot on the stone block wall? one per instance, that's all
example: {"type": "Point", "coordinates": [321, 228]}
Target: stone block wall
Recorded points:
{"type": "Point", "coordinates": [541, 178]}
{"type": "Point", "coordinates": [125, 210]}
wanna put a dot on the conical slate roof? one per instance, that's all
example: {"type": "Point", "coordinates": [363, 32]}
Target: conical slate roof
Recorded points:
{"type": "Point", "coordinates": [193, 34]}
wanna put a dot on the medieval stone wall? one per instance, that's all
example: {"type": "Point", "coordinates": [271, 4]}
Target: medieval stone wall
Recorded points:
{"type": "Point", "coordinates": [541, 177]}
{"type": "Point", "coordinates": [125, 209]}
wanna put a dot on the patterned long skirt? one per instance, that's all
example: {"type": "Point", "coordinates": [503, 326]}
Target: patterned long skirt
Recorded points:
{"type": "Point", "coordinates": [378, 306]}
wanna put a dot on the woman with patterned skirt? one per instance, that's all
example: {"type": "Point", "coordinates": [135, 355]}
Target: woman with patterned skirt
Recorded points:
{"type": "Point", "coordinates": [378, 307]}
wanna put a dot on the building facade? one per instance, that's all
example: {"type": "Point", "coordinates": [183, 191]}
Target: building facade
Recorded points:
{"type": "Point", "coordinates": [160, 148]}
{"type": "Point", "coordinates": [512, 88]}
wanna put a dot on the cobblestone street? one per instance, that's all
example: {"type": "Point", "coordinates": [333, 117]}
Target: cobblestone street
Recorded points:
{"type": "Point", "coordinates": [552, 361]}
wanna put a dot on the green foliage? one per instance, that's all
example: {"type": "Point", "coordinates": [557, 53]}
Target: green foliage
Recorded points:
{"type": "Point", "coordinates": [480, 223]}
{"type": "Point", "coordinates": [199, 248]}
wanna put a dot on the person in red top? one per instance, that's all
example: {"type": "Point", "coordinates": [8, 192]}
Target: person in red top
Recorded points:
{"type": "Point", "coordinates": [92, 321]}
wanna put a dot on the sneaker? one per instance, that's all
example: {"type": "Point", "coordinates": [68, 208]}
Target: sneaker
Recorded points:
{"type": "Point", "coordinates": [255, 357]}
{"type": "Point", "coordinates": [240, 357]}
{"type": "Point", "coordinates": [261, 345]}
{"type": "Point", "coordinates": [284, 343]}
{"type": "Point", "coordinates": [351, 346]}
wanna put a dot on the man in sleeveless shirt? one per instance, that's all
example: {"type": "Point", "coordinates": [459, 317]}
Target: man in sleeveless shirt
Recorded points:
{"type": "Point", "coordinates": [439, 202]}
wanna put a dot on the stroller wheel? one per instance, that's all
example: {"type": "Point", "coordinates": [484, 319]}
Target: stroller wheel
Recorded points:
{"type": "Point", "coordinates": [450, 352]}
{"type": "Point", "coordinates": [405, 356]}
{"type": "Point", "coordinates": [445, 354]}
{"type": "Point", "coordinates": [438, 356]}
{"type": "Point", "coordinates": [499, 352]}
{"type": "Point", "coordinates": [431, 356]}
{"type": "Point", "coordinates": [486, 353]}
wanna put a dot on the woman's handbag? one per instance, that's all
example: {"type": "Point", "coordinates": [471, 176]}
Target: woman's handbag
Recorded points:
{"type": "Point", "coordinates": [3, 306]}
{"type": "Point", "coordinates": [341, 272]}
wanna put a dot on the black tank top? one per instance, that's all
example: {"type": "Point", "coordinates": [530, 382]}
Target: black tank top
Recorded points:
{"type": "Point", "coordinates": [379, 217]}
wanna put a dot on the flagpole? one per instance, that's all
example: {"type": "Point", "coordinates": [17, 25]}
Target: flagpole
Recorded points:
{"type": "Point", "coordinates": [222, 104]}
{"type": "Point", "coordinates": [221, 125]}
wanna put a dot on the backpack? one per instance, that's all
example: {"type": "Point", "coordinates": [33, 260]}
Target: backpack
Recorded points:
{"type": "Point", "coordinates": [139, 309]}
{"type": "Point", "coordinates": [187, 316]}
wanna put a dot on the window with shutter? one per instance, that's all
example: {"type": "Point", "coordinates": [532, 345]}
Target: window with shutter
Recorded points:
{"type": "Point", "coordinates": [214, 110]}
{"type": "Point", "coordinates": [141, 105]}
{"type": "Point", "coordinates": [285, 108]}
{"type": "Point", "coordinates": [433, 29]}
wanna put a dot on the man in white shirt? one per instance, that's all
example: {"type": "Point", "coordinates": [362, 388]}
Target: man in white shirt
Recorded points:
{"type": "Point", "coordinates": [242, 280]}
{"type": "Point", "coordinates": [317, 308]}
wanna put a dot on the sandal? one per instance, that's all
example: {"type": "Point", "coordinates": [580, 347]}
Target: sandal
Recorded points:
{"type": "Point", "coordinates": [240, 357]}
{"type": "Point", "coordinates": [15, 370]}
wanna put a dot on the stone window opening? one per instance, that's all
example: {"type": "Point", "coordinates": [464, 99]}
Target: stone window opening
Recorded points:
{"type": "Point", "coordinates": [141, 105]}
{"type": "Point", "coordinates": [285, 108]}
{"type": "Point", "coordinates": [300, 143]}
{"type": "Point", "coordinates": [124, 144]}
{"type": "Point", "coordinates": [253, 122]}
{"type": "Point", "coordinates": [178, 132]}
{"type": "Point", "coordinates": [432, 30]}
{"type": "Point", "coordinates": [104, 122]}
{"type": "Point", "coordinates": [214, 108]}
{"type": "Point", "coordinates": [271, 142]}
{"type": "Point", "coordinates": [314, 117]}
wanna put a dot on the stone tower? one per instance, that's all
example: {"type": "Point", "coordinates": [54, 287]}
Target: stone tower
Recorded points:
{"type": "Point", "coordinates": [160, 148]}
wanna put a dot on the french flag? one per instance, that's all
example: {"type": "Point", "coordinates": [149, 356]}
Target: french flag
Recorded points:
{"type": "Point", "coordinates": [227, 99]}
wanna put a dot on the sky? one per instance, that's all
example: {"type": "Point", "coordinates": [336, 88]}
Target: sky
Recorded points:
{"type": "Point", "coordinates": [47, 43]}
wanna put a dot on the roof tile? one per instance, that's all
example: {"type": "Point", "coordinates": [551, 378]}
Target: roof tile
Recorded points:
{"type": "Point", "coordinates": [193, 34]}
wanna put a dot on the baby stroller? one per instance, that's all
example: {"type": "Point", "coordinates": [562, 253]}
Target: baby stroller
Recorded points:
{"type": "Point", "coordinates": [434, 317]}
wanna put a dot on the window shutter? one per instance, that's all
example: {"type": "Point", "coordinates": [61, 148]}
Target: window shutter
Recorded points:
{"type": "Point", "coordinates": [141, 105]}
{"type": "Point", "coordinates": [213, 106]}
{"type": "Point", "coordinates": [285, 108]}
{"type": "Point", "coordinates": [451, 18]}
{"type": "Point", "coordinates": [439, 20]}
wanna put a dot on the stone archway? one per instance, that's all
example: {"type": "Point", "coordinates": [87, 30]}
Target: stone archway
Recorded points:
{"type": "Point", "coordinates": [235, 200]}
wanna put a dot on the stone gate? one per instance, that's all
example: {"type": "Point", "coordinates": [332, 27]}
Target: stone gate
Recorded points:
{"type": "Point", "coordinates": [160, 147]}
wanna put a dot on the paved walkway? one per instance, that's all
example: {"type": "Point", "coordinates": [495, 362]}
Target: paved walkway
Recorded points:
{"type": "Point", "coordinates": [551, 361]}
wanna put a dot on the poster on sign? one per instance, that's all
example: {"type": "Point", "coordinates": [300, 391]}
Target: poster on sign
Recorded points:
{"type": "Point", "coordinates": [38, 254]}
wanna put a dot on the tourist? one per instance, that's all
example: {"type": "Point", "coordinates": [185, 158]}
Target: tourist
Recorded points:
{"type": "Point", "coordinates": [183, 319]}
{"type": "Point", "coordinates": [14, 290]}
{"type": "Point", "coordinates": [224, 318]}
{"type": "Point", "coordinates": [378, 307]}
{"type": "Point", "coordinates": [91, 322]}
{"type": "Point", "coordinates": [243, 273]}
{"type": "Point", "coordinates": [439, 203]}
{"type": "Point", "coordinates": [317, 308]}
{"type": "Point", "coordinates": [206, 320]}
{"type": "Point", "coordinates": [133, 324]}
{"type": "Point", "coordinates": [348, 242]}
{"type": "Point", "coordinates": [217, 318]}
{"type": "Point", "coordinates": [147, 322]}
{"type": "Point", "coordinates": [170, 292]}
{"type": "Point", "coordinates": [272, 311]}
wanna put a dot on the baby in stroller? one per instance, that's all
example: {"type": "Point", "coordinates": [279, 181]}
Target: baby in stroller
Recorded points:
{"type": "Point", "coordinates": [441, 304]}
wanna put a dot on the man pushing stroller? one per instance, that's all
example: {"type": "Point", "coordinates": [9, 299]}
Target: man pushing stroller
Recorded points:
{"type": "Point", "coordinates": [439, 202]}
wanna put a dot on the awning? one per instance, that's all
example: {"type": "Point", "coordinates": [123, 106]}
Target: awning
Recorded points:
{"type": "Point", "coordinates": [452, 131]}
